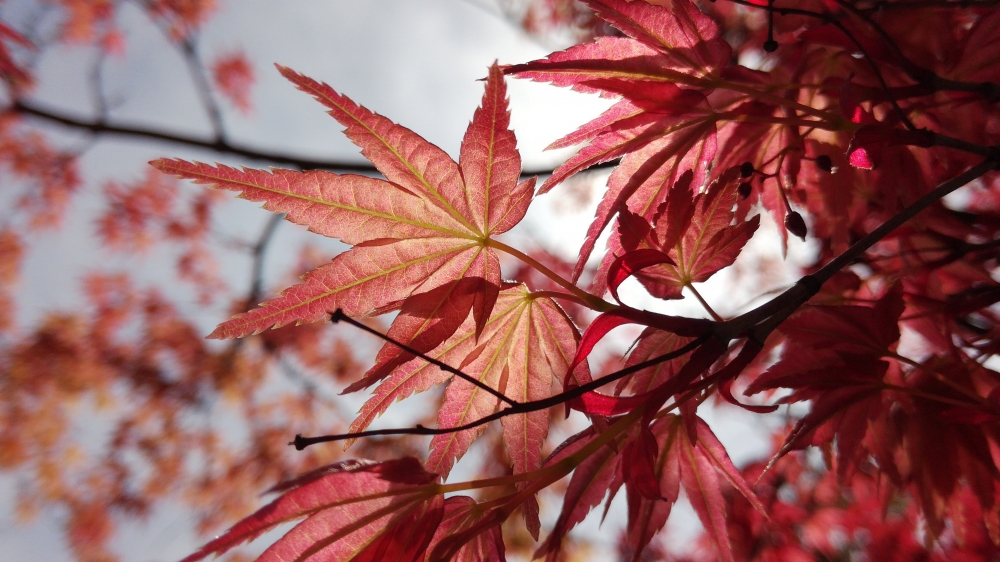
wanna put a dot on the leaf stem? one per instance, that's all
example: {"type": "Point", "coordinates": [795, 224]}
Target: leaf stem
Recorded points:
{"type": "Point", "coordinates": [940, 377]}
{"type": "Point", "coordinates": [704, 303]}
{"type": "Point", "coordinates": [587, 299]}
{"type": "Point", "coordinates": [559, 295]}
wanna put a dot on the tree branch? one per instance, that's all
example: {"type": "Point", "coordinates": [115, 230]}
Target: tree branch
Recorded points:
{"type": "Point", "coordinates": [756, 324]}
{"type": "Point", "coordinates": [104, 128]}
{"type": "Point", "coordinates": [189, 50]}
{"type": "Point", "coordinates": [301, 442]}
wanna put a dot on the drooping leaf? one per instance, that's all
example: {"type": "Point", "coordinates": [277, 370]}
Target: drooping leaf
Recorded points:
{"type": "Point", "coordinates": [460, 515]}
{"type": "Point", "coordinates": [350, 507]}
{"type": "Point", "coordinates": [587, 487]}
{"type": "Point", "coordinates": [701, 483]}
{"type": "Point", "coordinates": [639, 464]}
{"type": "Point", "coordinates": [646, 516]}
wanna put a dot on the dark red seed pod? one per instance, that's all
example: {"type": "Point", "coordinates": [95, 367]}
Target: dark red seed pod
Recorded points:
{"type": "Point", "coordinates": [744, 189]}
{"type": "Point", "coordinates": [746, 170]}
{"type": "Point", "coordinates": [824, 163]}
{"type": "Point", "coordinates": [795, 224]}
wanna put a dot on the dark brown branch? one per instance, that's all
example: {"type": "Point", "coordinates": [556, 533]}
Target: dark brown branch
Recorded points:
{"type": "Point", "coordinates": [756, 324]}
{"type": "Point", "coordinates": [768, 315]}
{"type": "Point", "coordinates": [301, 442]}
{"type": "Point", "coordinates": [102, 127]}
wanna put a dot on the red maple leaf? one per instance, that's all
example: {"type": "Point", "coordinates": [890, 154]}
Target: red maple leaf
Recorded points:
{"type": "Point", "coordinates": [426, 227]}
{"type": "Point", "coordinates": [357, 510]}
{"type": "Point", "coordinates": [693, 236]}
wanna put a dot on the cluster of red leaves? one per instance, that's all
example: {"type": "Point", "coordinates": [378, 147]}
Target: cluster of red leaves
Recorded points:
{"type": "Point", "coordinates": [133, 362]}
{"type": "Point", "coordinates": [151, 212]}
{"type": "Point", "coordinates": [555, 19]}
{"type": "Point", "coordinates": [181, 17]}
{"type": "Point", "coordinates": [703, 143]}
{"type": "Point", "coordinates": [816, 515]}
{"type": "Point", "coordinates": [49, 177]}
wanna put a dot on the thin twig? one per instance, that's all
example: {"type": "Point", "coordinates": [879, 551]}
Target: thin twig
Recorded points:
{"type": "Point", "coordinates": [339, 316]}
{"type": "Point", "coordinates": [301, 442]}
{"type": "Point", "coordinates": [259, 251]}
{"type": "Point", "coordinates": [190, 51]}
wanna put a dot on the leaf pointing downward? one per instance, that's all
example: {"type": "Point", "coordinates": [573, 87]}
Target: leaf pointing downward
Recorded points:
{"type": "Point", "coordinates": [533, 341]}
{"type": "Point", "coordinates": [353, 510]}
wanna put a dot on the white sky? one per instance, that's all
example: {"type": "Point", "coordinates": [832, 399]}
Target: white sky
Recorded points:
{"type": "Point", "coordinates": [415, 62]}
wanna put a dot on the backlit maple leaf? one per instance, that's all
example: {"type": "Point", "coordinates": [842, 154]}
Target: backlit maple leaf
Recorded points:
{"type": "Point", "coordinates": [426, 227]}
{"type": "Point", "coordinates": [353, 510]}
{"type": "Point", "coordinates": [659, 128]}
{"type": "Point", "coordinates": [693, 236]}
{"type": "Point", "coordinates": [527, 345]}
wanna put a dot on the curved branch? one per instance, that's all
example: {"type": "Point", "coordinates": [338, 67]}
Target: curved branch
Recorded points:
{"type": "Point", "coordinates": [301, 442]}
{"type": "Point", "coordinates": [756, 324]}
{"type": "Point", "coordinates": [103, 128]}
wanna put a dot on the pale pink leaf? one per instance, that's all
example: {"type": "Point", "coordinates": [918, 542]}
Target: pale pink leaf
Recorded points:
{"type": "Point", "coordinates": [361, 280]}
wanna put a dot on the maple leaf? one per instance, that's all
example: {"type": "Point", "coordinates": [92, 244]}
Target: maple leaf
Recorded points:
{"type": "Point", "coordinates": [659, 128]}
{"type": "Point", "coordinates": [589, 484]}
{"type": "Point", "coordinates": [426, 227]}
{"type": "Point", "coordinates": [833, 357]}
{"type": "Point", "coordinates": [353, 510]}
{"type": "Point", "coordinates": [526, 346]}
{"type": "Point", "coordinates": [460, 519]}
{"type": "Point", "coordinates": [672, 459]}
{"type": "Point", "coordinates": [693, 236]}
